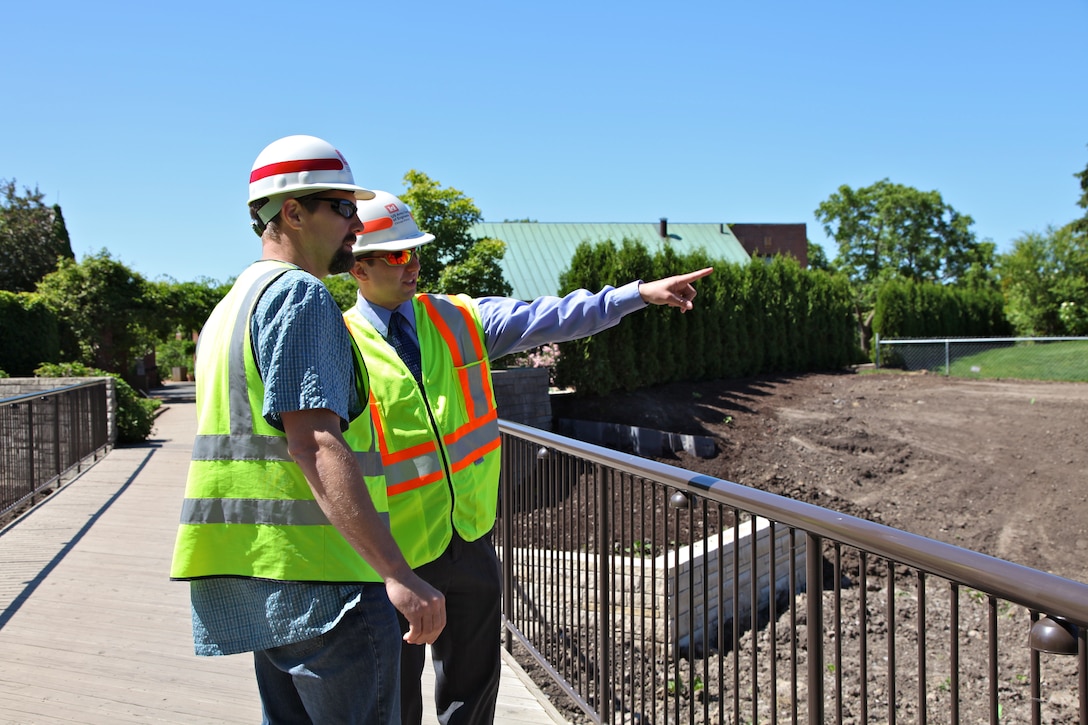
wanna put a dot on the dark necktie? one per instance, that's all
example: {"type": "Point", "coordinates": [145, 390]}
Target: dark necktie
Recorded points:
{"type": "Point", "coordinates": [403, 343]}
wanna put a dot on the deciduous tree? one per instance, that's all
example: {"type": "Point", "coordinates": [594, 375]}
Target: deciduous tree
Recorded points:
{"type": "Point", "coordinates": [817, 258]}
{"type": "Point", "coordinates": [183, 306]}
{"type": "Point", "coordinates": [1081, 225]}
{"type": "Point", "coordinates": [1045, 281]}
{"type": "Point", "coordinates": [887, 230]}
{"type": "Point", "coordinates": [343, 289]}
{"type": "Point", "coordinates": [32, 237]}
{"type": "Point", "coordinates": [455, 261]}
{"type": "Point", "coordinates": [109, 307]}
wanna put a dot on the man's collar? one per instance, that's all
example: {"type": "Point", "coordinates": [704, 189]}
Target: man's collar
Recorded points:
{"type": "Point", "coordinates": [378, 316]}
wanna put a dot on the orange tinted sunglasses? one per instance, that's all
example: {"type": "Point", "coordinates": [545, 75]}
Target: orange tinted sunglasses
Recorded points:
{"type": "Point", "coordinates": [394, 259]}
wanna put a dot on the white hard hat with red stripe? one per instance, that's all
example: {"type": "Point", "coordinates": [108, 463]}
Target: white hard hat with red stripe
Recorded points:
{"type": "Point", "coordinates": [387, 226]}
{"type": "Point", "coordinates": [294, 166]}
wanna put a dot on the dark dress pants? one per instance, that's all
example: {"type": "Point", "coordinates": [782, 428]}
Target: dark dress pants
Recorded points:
{"type": "Point", "coordinates": [466, 655]}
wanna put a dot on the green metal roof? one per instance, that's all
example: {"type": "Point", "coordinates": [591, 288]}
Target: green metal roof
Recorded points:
{"type": "Point", "coordinates": [537, 252]}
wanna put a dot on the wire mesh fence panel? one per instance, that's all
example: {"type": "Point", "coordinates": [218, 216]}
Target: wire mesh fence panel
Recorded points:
{"type": "Point", "coordinates": [1029, 358]}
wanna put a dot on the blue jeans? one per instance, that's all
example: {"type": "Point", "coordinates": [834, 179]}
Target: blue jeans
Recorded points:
{"type": "Point", "coordinates": [349, 675]}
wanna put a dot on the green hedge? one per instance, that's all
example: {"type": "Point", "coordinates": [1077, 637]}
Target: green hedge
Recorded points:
{"type": "Point", "coordinates": [909, 309]}
{"type": "Point", "coordinates": [759, 318]}
{"type": "Point", "coordinates": [30, 331]}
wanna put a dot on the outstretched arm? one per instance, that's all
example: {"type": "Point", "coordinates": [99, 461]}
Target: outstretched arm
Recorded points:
{"type": "Point", "coordinates": [674, 291]}
{"type": "Point", "coordinates": [512, 325]}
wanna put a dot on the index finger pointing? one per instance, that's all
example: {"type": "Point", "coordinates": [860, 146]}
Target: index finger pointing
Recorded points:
{"type": "Point", "coordinates": [692, 276]}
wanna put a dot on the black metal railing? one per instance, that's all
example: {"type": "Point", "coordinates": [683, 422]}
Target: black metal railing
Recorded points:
{"type": "Point", "coordinates": [652, 594]}
{"type": "Point", "coordinates": [47, 436]}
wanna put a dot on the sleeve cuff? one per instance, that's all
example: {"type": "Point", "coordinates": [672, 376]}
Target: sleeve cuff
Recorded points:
{"type": "Point", "coordinates": [628, 299]}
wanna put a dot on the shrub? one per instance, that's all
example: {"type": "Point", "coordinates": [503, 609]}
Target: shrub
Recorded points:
{"type": "Point", "coordinates": [175, 354]}
{"type": "Point", "coordinates": [135, 415]}
{"type": "Point", "coordinates": [539, 357]}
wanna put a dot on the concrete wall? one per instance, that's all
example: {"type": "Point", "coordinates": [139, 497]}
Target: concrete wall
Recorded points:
{"type": "Point", "coordinates": [645, 442]}
{"type": "Point", "coordinates": [654, 597]}
{"type": "Point", "coordinates": [688, 602]}
{"type": "Point", "coordinates": [522, 396]}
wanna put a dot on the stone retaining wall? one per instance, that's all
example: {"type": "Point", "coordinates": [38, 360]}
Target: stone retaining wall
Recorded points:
{"type": "Point", "coordinates": [663, 597]}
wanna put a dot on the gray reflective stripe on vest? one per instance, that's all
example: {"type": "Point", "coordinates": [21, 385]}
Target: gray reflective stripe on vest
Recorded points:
{"type": "Point", "coordinates": [481, 401]}
{"type": "Point", "coordinates": [369, 461]}
{"type": "Point", "coordinates": [242, 444]}
{"type": "Point", "coordinates": [467, 445]}
{"type": "Point", "coordinates": [271, 512]}
{"type": "Point", "coordinates": [240, 448]}
{"type": "Point", "coordinates": [252, 511]}
{"type": "Point", "coordinates": [455, 318]}
{"type": "Point", "coordinates": [411, 469]}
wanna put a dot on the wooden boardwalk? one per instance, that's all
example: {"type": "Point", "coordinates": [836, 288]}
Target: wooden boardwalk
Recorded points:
{"type": "Point", "coordinates": [93, 631]}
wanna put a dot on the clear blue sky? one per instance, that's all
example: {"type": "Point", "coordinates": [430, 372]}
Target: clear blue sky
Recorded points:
{"type": "Point", "coordinates": [143, 119]}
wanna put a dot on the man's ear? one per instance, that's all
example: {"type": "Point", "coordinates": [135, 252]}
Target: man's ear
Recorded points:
{"type": "Point", "coordinates": [360, 271]}
{"type": "Point", "coordinates": [290, 214]}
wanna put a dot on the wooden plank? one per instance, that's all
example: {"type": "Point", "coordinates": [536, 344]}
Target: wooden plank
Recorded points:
{"type": "Point", "coordinates": [92, 631]}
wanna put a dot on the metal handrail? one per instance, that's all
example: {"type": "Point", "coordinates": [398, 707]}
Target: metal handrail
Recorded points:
{"type": "Point", "coordinates": [49, 434]}
{"type": "Point", "coordinates": [40, 394]}
{"type": "Point", "coordinates": [1020, 584]}
{"type": "Point", "coordinates": [548, 602]}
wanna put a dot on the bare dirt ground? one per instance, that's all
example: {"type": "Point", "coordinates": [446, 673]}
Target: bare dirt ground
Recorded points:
{"type": "Point", "coordinates": [999, 467]}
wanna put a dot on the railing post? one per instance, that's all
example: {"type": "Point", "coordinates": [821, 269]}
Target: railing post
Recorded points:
{"type": "Point", "coordinates": [604, 598]}
{"type": "Point", "coordinates": [947, 357]}
{"type": "Point", "coordinates": [1082, 674]}
{"type": "Point", "coordinates": [56, 437]}
{"type": "Point", "coordinates": [506, 496]}
{"type": "Point", "coordinates": [30, 450]}
{"type": "Point", "coordinates": [814, 612]}
{"type": "Point", "coordinates": [876, 343]}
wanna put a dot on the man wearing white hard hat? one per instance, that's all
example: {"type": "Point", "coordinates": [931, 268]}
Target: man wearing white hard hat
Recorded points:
{"type": "Point", "coordinates": [429, 358]}
{"type": "Point", "coordinates": [287, 551]}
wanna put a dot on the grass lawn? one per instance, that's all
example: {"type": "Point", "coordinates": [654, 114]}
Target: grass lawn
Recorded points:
{"type": "Point", "coordinates": [1067, 361]}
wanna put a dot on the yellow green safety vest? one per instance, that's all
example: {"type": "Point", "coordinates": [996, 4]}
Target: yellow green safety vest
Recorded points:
{"type": "Point", "coordinates": [440, 454]}
{"type": "Point", "coordinates": [248, 509]}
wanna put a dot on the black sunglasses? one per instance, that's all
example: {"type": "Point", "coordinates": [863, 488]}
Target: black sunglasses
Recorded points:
{"type": "Point", "coordinates": [343, 207]}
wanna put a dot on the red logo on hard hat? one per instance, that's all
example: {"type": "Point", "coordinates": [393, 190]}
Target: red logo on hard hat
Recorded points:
{"type": "Point", "coordinates": [391, 208]}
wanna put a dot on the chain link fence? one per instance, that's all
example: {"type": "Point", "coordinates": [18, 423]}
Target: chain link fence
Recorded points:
{"type": "Point", "coordinates": [1028, 358]}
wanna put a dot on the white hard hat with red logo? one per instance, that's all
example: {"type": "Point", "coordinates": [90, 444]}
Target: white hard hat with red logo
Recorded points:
{"type": "Point", "coordinates": [387, 226]}
{"type": "Point", "coordinates": [295, 166]}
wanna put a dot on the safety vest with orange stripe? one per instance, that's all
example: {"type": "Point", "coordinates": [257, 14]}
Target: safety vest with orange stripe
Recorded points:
{"type": "Point", "coordinates": [439, 446]}
{"type": "Point", "coordinates": [248, 509]}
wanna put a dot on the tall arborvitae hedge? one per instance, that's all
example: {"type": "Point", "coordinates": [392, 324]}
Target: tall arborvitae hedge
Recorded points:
{"type": "Point", "coordinates": [906, 309]}
{"type": "Point", "coordinates": [763, 317]}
